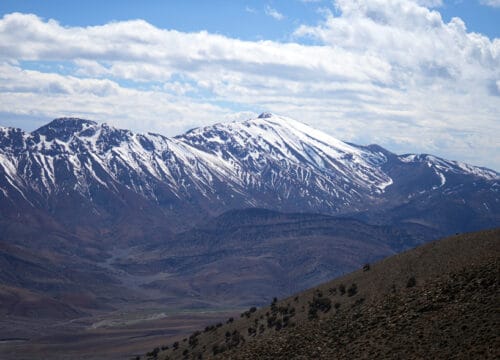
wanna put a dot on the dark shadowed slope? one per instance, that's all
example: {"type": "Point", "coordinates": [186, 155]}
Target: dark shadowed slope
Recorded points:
{"type": "Point", "coordinates": [436, 301]}
{"type": "Point", "coordinates": [245, 257]}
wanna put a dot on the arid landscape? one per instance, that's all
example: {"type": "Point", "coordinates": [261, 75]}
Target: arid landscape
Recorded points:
{"type": "Point", "coordinates": [143, 257]}
{"type": "Point", "coordinates": [302, 179]}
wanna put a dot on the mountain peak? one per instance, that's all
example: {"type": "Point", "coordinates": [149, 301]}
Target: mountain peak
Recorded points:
{"type": "Point", "coordinates": [265, 115]}
{"type": "Point", "coordinates": [63, 128]}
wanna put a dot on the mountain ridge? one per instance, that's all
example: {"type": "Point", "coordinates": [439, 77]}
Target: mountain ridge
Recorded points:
{"type": "Point", "coordinates": [269, 153]}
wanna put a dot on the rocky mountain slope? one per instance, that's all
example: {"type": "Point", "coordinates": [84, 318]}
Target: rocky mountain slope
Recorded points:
{"type": "Point", "coordinates": [436, 301]}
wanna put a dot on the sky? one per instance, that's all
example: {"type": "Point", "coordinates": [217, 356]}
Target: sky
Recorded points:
{"type": "Point", "coordinates": [415, 76]}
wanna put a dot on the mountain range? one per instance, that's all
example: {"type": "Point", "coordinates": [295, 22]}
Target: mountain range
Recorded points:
{"type": "Point", "coordinates": [78, 171]}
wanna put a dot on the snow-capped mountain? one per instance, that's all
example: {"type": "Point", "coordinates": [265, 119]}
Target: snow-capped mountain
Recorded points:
{"type": "Point", "coordinates": [270, 162]}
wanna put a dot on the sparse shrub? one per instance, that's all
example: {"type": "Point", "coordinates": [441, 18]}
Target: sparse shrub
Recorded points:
{"type": "Point", "coordinates": [230, 320]}
{"type": "Point", "coordinates": [359, 301]}
{"type": "Point", "coordinates": [318, 304]}
{"type": "Point", "coordinates": [262, 328]}
{"type": "Point", "coordinates": [271, 321]}
{"type": "Point", "coordinates": [312, 314]}
{"type": "Point", "coordinates": [332, 291]}
{"type": "Point", "coordinates": [185, 352]}
{"type": "Point", "coordinates": [353, 289]}
{"type": "Point", "coordinates": [273, 305]}
{"type": "Point", "coordinates": [235, 339]}
{"type": "Point", "coordinates": [218, 349]}
{"type": "Point", "coordinates": [154, 352]}
{"type": "Point", "coordinates": [249, 312]}
{"type": "Point", "coordinates": [175, 345]}
{"type": "Point", "coordinates": [165, 347]}
{"type": "Point", "coordinates": [296, 299]}
{"type": "Point", "coordinates": [193, 339]}
{"type": "Point", "coordinates": [336, 306]}
{"type": "Point", "coordinates": [342, 289]}
{"type": "Point", "coordinates": [283, 310]}
{"type": "Point", "coordinates": [411, 282]}
{"type": "Point", "coordinates": [366, 267]}
{"type": "Point", "coordinates": [218, 325]}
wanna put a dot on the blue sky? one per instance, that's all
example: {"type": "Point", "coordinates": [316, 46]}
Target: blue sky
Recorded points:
{"type": "Point", "coordinates": [411, 75]}
{"type": "Point", "coordinates": [242, 19]}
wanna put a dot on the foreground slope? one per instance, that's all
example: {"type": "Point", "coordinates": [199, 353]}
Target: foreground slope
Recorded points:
{"type": "Point", "coordinates": [436, 301]}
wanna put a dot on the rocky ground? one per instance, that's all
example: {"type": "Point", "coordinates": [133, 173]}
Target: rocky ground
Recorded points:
{"type": "Point", "coordinates": [436, 301]}
{"type": "Point", "coordinates": [451, 317]}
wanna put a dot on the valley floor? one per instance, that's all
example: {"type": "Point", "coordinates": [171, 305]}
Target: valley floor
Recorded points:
{"type": "Point", "coordinates": [118, 336]}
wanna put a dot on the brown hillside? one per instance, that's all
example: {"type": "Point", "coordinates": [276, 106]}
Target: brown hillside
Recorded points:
{"type": "Point", "coordinates": [439, 300]}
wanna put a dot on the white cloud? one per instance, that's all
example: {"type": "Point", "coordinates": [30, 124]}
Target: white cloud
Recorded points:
{"type": "Point", "coordinates": [274, 13]}
{"type": "Point", "coordinates": [493, 3]}
{"type": "Point", "coordinates": [48, 95]}
{"type": "Point", "coordinates": [391, 72]}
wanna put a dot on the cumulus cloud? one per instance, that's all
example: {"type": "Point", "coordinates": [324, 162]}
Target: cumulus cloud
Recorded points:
{"type": "Point", "coordinates": [388, 72]}
{"type": "Point", "coordinates": [439, 71]}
